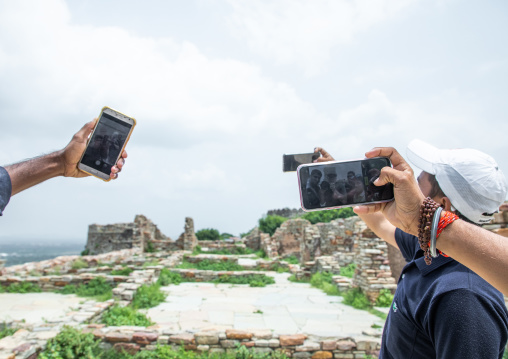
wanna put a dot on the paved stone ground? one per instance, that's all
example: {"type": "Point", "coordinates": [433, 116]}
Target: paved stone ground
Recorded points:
{"type": "Point", "coordinates": [36, 308]}
{"type": "Point", "coordinates": [284, 308]}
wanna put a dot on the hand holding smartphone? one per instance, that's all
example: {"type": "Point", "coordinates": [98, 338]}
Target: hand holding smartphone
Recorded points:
{"type": "Point", "coordinates": [106, 143]}
{"type": "Point", "coordinates": [291, 162]}
{"type": "Point", "coordinates": [342, 184]}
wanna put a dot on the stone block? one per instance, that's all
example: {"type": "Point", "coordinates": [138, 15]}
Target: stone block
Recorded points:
{"type": "Point", "coordinates": [292, 340]}
{"type": "Point", "coordinates": [205, 338]}
{"type": "Point", "coordinates": [116, 337]}
{"type": "Point", "coordinates": [144, 338]}
{"type": "Point", "coordinates": [129, 348]}
{"type": "Point", "coordinates": [328, 345]}
{"type": "Point", "coordinates": [184, 338]}
{"type": "Point", "coordinates": [346, 345]}
{"type": "Point", "coordinates": [238, 334]}
{"type": "Point", "coordinates": [308, 346]}
{"type": "Point", "coordinates": [322, 355]}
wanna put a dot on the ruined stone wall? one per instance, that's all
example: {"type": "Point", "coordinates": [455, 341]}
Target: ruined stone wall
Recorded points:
{"type": "Point", "coordinates": [253, 240]}
{"type": "Point", "coordinates": [188, 240]}
{"type": "Point", "coordinates": [114, 237]}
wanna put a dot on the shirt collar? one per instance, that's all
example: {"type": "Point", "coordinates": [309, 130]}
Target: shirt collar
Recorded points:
{"type": "Point", "coordinates": [436, 262]}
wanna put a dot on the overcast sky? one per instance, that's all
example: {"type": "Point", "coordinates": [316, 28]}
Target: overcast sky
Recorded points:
{"type": "Point", "coordinates": [222, 88]}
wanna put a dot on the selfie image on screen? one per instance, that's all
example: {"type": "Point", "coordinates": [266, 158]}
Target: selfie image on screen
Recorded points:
{"type": "Point", "coordinates": [340, 184]}
{"type": "Point", "coordinates": [106, 143]}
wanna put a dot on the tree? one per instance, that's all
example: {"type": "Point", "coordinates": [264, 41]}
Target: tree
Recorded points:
{"type": "Point", "coordinates": [269, 223]}
{"type": "Point", "coordinates": [208, 234]}
{"type": "Point", "coordinates": [328, 215]}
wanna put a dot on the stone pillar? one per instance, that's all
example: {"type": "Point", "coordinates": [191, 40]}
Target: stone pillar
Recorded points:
{"type": "Point", "coordinates": [188, 240]}
{"type": "Point", "coordinates": [373, 270]}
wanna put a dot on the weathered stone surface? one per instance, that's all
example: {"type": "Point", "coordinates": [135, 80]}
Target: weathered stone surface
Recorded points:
{"type": "Point", "coordinates": [322, 355]}
{"type": "Point", "coordinates": [182, 338]}
{"type": "Point", "coordinates": [205, 338]}
{"type": "Point", "coordinates": [144, 338]}
{"type": "Point", "coordinates": [308, 346]}
{"type": "Point", "coordinates": [238, 334]}
{"type": "Point", "coordinates": [301, 355]}
{"type": "Point", "coordinates": [292, 340]}
{"type": "Point", "coordinates": [229, 343]}
{"type": "Point", "coordinates": [129, 348]}
{"type": "Point", "coordinates": [346, 345]}
{"type": "Point", "coordinates": [329, 345]}
{"type": "Point", "coordinates": [116, 337]}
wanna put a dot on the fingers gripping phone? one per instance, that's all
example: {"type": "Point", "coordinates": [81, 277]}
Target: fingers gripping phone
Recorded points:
{"type": "Point", "coordinates": [106, 144]}
{"type": "Point", "coordinates": [342, 184]}
{"type": "Point", "coordinates": [291, 162]}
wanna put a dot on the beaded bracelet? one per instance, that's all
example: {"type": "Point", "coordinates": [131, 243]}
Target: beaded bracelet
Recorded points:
{"type": "Point", "coordinates": [427, 211]}
{"type": "Point", "coordinates": [431, 225]}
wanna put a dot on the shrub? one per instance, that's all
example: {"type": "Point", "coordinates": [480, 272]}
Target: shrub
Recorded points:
{"type": "Point", "coordinates": [270, 223]}
{"type": "Point", "coordinates": [71, 343]}
{"type": "Point", "coordinates": [324, 282]}
{"type": "Point", "coordinates": [124, 271]}
{"type": "Point", "coordinates": [357, 299]}
{"type": "Point", "coordinates": [7, 331]}
{"type": "Point", "coordinates": [150, 263]}
{"type": "Point", "coordinates": [209, 265]}
{"type": "Point", "coordinates": [385, 298]}
{"type": "Point", "coordinates": [149, 247]}
{"type": "Point", "coordinates": [23, 287]}
{"type": "Point", "coordinates": [79, 264]}
{"type": "Point", "coordinates": [328, 215]}
{"type": "Point", "coordinates": [117, 316]}
{"type": "Point", "coordinates": [97, 288]}
{"type": "Point", "coordinates": [167, 277]}
{"type": "Point", "coordinates": [348, 271]}
{"type": "Point", "coordinates": [208, 234]}
{"type": "Point", "coordinates": [85, 252]}
{"type": "Point", "coordinates": [148, 296]}
{"type": "Point", "coordinates": [253, 280]}
{"type": "Point", "coordinates": [291, 260]}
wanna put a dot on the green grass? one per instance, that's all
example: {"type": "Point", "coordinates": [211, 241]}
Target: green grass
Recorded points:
{"type": "Point", "coordinates": [291, 260]}
{"type": "Point", "coordinates": [71, 343]}
{"type": "Point", "coordinates": [385, 298]}
{"type": "Point", "coordinates": [148, 296]}
{"type": "Point", "coordinates": [253, 280]}
{"type": "Point", "coordinates": [117, 316]}
{"type": "Point", "coordinates": [79, 264]}
{"type": "Point", "coordinates": [348, 271]}
{"type": "Point", "coordinates": [166, 277]}
{"type": "Point", "coordinates": [210, 265]}
{"type": "Point", "coordinates": [21, 287]}
{"type": "Point", "coordinates": [233, 251]}
{"type": "Point", "coordinates": [97, 288]}
{"type": "Point", "coordinates": [124, 271]}
{"type": "Point", "coordinates": [150, 263]}
{"type": "Point", "coordinates": [7, 331]}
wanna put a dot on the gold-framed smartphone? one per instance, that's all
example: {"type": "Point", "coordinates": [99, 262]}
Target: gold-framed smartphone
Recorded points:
{"type": "Point", "coordinates": [290, 162]}
{"type": "Point", "coordinates": [106, 143]}
{"type": "Point", "coordinates": [330, 185]}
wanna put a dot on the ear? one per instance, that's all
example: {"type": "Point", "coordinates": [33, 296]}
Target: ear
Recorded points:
{"type": "Point", "coordinates": [445, 203]}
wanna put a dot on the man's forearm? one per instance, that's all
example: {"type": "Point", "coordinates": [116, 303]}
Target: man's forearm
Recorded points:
{"type": "Point", "coordinates": [480, 250]}
{"type": "Point", "coordinates": [34, 171]}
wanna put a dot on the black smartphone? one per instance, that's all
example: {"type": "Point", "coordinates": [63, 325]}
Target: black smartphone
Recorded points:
{"type": "Point", "coordinates": [291, 162]}
{"type": "Point", "coordinates": [331, 185]}
{"type": "Point", "coordinates": [108, 139]}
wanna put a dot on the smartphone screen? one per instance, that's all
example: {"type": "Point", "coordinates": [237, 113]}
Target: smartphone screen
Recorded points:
{"type": "Point", "coordinates": [106, 144]}
{"type": "Point", "coordinates": [341, 184]}
{"type": "Point", "coordinates": [291, 162]}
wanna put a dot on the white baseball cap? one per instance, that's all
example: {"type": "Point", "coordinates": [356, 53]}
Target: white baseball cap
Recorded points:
{"type": "Point", "coordinates": [470, 178]}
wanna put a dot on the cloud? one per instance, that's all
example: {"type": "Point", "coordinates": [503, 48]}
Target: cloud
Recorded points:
{"type": "Point", "coordinates": [304, 33]}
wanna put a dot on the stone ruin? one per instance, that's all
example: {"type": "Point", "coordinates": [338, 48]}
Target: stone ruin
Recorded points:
{"type": "Point", "coordinates": [142, 234]}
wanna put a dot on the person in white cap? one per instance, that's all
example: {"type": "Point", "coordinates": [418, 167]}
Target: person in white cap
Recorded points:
{"type": "Point", "coordinates": [441, 309]}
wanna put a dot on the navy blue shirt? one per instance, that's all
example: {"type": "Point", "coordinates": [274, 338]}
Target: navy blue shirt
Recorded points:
{"type": "Point", "coordinates": [5, 189]}
{"type": "Point", "coordinates": [443, 310]}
